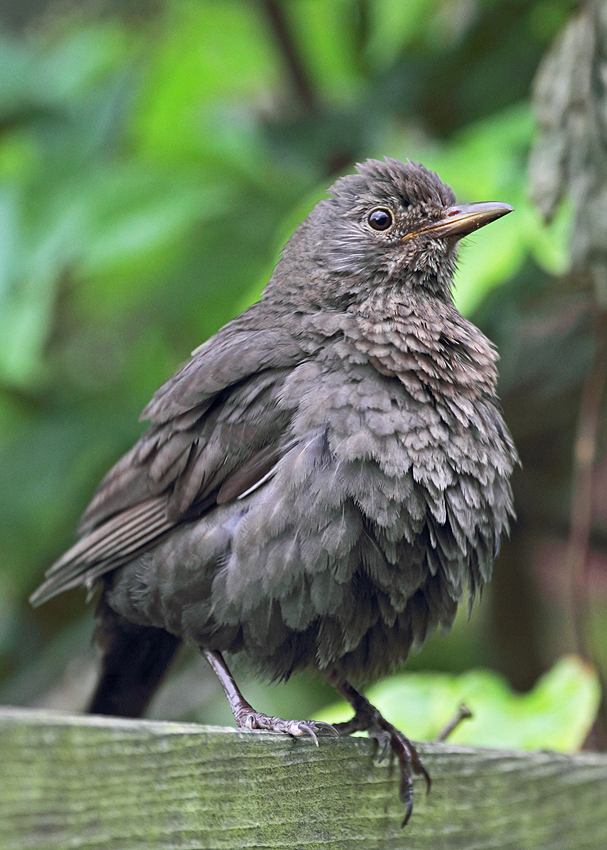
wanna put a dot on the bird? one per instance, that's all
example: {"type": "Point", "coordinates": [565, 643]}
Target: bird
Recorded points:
{"type": "Point", "coordinates": [322, 482]}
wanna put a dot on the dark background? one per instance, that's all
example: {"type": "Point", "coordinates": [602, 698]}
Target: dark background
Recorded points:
{"type": "Point", "coordinates": [154, 157]}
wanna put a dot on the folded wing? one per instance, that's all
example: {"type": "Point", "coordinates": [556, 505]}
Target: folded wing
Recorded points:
{"type": "Point", "coordinates": [216, 433]}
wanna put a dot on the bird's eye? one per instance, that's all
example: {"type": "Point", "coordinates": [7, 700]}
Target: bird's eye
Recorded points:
{"type": "Point", "coordinates": [380, 219]}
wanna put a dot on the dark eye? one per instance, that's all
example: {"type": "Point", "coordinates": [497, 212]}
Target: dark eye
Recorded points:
{"type": "Point", "coordinates": [380, 219]}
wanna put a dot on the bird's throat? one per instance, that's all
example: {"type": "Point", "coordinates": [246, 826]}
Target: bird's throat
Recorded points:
{"type": "Point", "coordinates": [428, 346]}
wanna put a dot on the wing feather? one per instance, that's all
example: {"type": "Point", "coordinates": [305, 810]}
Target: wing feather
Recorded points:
{"type": "Point", "coordinates": [214, 423]}
{"type": "Point", "coordinates": [113, 543]}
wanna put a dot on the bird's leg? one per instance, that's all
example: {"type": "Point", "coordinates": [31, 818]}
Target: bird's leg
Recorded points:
{"type": "Point", "coordinates": [368, 719]}
{"type": "Point", "coordinates": [245, 715]}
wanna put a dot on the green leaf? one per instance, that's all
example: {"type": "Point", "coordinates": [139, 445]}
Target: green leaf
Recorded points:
{"type": "Point", "coordinates": [209, 53]}
{"type": "Point", "coordinates": [556, 714]}
{"type": "Point", "coordinates": [396, 25]}
{"type": "Point", "coordinates": [81, 59]}
{"type": "Point", "coordinates": [135, 215]}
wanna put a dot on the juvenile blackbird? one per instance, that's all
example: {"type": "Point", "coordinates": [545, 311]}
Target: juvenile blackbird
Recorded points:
{"type": "Point", "coordinates": [322, 481]}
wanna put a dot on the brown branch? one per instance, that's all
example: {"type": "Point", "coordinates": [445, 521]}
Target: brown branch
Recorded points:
{"type": "Point", "coordinates": [584, 456]}
{"type": "Point", "coordinates": [301, 84]}
{"type": "Point", "coordinates": [463, 713]}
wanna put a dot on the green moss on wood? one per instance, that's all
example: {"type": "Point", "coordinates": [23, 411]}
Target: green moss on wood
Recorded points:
{"type": "Point", "coordinates": [70, 781]}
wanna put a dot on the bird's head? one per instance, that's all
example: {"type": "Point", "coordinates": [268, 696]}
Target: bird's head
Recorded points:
{"type": "Point", "coordinates": [391, 223]}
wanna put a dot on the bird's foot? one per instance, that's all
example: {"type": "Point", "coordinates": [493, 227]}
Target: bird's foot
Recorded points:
{"type": "Point", "coordinates": [387, 738]}
{"type": "Point", "coordinates": [249, 719]}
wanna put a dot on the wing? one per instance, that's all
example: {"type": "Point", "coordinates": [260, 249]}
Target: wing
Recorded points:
{"type": "Point", "coordinates": [216, 433]}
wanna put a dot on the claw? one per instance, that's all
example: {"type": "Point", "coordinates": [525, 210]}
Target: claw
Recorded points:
{"type": "Point", "coordinates": [408, 812]}
{"type": "Point", "coordinates": [423, 772]}
{"type": "Point", "coordinates": [250, 722]}
{"type": "Point", "coordinates": [386, 737]}
{"type": "Point", "coordinates": [328, 727]}
{"type": "Point", "coordinates": [295, 728]}
{"type": "Point", "coordinates": [384, 746]}
{"type": "Point", "coordinates": [306, 728]}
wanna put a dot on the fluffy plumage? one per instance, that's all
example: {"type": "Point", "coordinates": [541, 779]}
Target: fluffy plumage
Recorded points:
{"type": "Point", "coordinates": [326, 477]}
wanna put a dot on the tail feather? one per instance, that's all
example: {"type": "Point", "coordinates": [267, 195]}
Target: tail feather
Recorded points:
{"type": "Point", "coordinates": [135, 661]}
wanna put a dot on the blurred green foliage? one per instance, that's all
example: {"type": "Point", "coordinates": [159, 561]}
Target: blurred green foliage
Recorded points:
{"type": "Point", "coordinates": [556, 714]}
{"type": "Point", "coordinates": [150, 170]}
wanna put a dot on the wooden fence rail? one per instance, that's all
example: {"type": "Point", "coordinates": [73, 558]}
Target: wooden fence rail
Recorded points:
{"type": "Point", "coordinates": [68, 781]}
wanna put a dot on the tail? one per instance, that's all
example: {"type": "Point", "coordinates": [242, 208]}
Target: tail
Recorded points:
{"type": "Point", "coordinates": [135, 661]}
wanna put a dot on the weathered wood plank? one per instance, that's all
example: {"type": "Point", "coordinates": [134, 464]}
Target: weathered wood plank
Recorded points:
{"type": "Point", "coordinates": [88, 782]}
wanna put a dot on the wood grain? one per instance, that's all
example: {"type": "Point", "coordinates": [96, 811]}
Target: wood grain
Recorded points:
{"type": "Point", "coordinates": [95, 782]}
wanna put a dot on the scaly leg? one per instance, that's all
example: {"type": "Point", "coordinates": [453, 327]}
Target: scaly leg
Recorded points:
{"type": "Point", "coordinates": [247, 718]}
{"type": "Point", "coordinates": [368, 719]}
